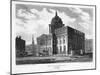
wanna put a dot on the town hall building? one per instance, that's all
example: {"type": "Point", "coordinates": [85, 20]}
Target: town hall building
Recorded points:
{"type": "Point", "coordinates": [61, 40]}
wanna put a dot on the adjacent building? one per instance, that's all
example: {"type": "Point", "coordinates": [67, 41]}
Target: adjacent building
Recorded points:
{"type": "Point", "coordinates": [45, 44]}
{"type": "Point", "coordinates": [76, 41]}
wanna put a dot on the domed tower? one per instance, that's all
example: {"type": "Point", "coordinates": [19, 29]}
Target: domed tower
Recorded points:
{"type": "Point", "coordinates": [56, 23]}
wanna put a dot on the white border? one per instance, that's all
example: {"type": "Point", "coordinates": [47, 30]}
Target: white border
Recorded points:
{"type": "Point", "coordinates": [47, 67]}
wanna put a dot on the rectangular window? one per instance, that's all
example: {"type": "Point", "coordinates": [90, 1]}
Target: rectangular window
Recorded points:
{"type": "Point", "coordinates": [63, 40]}
{"type": "Point", "coordinates": [64, 49]}
{"type": "Point", "coordinates": [60, 49]}
{"type": "Point", "coordinates": [60, 41]}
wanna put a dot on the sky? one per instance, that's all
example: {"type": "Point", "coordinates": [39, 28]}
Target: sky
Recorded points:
{"type": "Point", "coordinates": [33, 20]}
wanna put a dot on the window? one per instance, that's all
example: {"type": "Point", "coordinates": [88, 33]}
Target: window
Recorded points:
{"type": "Point", "coordinates": [64, 40]}
{"type": "Point", "coordinates": [60, 49]}
{"type": "Point", "coordinates": [60, 41]}
{"type": "Point", "coordinates": [64, 49]}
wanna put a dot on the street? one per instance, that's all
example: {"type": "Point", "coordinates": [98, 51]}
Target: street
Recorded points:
{"type": "Point", "coordinates": [52, 59]}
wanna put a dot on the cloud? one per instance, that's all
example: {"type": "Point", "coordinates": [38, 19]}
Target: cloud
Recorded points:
{"type": "Point", "coordinates": [82, 14]}
{"type": "Point", "coordinates": [25, 14]}
{"type": "Point", "coordinates": [20, 26]}
{"type": "Point", "coordinates": [38, 21]}
{"type": "Point", "coordinates": [85, 22]}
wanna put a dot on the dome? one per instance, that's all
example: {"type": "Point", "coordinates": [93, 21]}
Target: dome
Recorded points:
{"type": "Point", "coordinates": [56, 20]}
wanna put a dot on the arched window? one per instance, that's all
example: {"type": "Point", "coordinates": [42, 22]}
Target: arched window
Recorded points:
{"type": "Point", "coordinates": [64, 40]}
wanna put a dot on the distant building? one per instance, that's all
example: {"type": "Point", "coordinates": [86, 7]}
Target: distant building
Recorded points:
{"type": "Point", "coordinates": [62, 40]}
{"type": "Point", "coordinates": [20, 46]}
{"type": "Point", "coordinates": [31, 49]}
{"type": "Point", "coordinates": [89, 46]}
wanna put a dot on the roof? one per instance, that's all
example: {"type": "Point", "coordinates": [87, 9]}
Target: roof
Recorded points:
{"type": "Point", "coordinates": [61, 30]}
